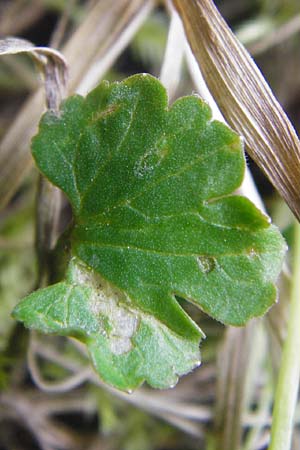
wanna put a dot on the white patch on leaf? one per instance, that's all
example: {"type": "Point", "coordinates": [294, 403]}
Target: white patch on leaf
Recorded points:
{"type": "Point", "coordinates": [118, 323]}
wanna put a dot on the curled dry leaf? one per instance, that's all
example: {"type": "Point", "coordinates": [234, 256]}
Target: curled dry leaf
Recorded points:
{"type": "Point", "coordinates": [244, 97]}
{"type": "Point", "coordinates": [54, 69]}
{"type": "Point", "coordinates": [51, 62]}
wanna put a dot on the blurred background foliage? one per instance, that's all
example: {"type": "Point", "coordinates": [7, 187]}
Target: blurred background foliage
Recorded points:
{"type": "Point", "coordinates": [89, 416]}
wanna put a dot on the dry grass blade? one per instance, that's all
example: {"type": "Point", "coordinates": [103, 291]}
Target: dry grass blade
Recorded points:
{"type": "Point", "coordinates": [26, 408]}
{"type": "Point", "coordinates": [16, 16]}
{"type": "Point", "coordinates": [119, 37]}
{"type": "Point", "coordinates": [233, 362]}
{"type": "Point", "coordinates": [244, 97]}
{"type": "Point", "coordinates": [276, 36]}
{"type": "Point", "coordinates": [171, 70]}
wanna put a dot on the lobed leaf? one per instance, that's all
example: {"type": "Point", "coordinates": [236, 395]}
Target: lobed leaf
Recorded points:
{"type": "Point", "coordinates": [154, 218]}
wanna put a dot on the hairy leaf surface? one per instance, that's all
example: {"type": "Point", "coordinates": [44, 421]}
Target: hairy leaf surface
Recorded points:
{"type": "Point", "coordinates": [150, 187]}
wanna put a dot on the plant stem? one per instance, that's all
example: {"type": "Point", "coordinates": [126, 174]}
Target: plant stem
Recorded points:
{"type": "Point", "coordinates": [288, 380]}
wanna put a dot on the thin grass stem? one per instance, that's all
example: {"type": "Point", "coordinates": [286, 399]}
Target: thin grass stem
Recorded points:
{"type": "Point", "coordinates": [288, 380]}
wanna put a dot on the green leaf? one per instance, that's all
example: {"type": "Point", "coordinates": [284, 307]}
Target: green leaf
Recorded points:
{"type": "Point", "coordinates": [126, 345]}
{"type": "Point", "coordinates": [153, 218]}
